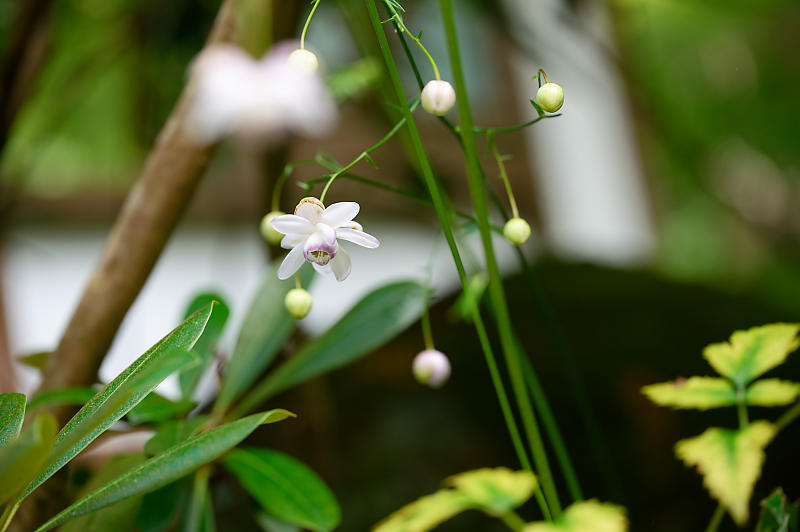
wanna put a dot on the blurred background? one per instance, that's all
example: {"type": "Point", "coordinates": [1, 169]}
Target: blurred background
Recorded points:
{"type": "Point", "coordinates": [664, 201]}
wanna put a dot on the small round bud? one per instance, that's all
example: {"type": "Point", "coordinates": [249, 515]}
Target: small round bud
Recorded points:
{"type": "Point", "coordinates": [431, 368]}
{"type": "Point", "coordinates": [517, 231]}
{"type": "Point", "coordinates": [304, 60]}
{"type": "Point", "coordinates": [438, 97]}
{"type": "Point", "coordinates": [269, 233]}
{"type": "Point", "coordinates": [550, 97]}
{"type": "Point", "coordinates": [298, 302]}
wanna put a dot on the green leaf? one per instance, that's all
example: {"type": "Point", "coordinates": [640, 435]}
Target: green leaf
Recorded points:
{"type": "Point", "coordinates": [264, 331]}
{"type": "Point", "coordinates": [207, 342]}
{"type": "Point", "coordinates": [585, 516]}
{"type": "Point", "coordinates": [22, 459]}
{"type": "Point", "coordinates": [777, 515]}
{"type": "Point", "coordinates": [162, 509]}
{"type": "Point", "coordinates": [701, 393]}
{"type": "Point", "coordinates": [119, 517]}
{"type": "Point", "coordinates": [270, 524]}
{"type": "Point", "coordinates": [497, 490]}
{"type": "Point", "coordinates": [426, 512]}
{"type": "Point", "coordinates": [285, 488]}
{"type": "Point", "coordinates": [173, 432]}
{"type": "Point", "coordinates": [753, 352]}
{"type": "Point", "coordinates": [373, 321]}
{"type": "Point", "coordinates": [172, 464]}
{"type": "Point", "coordinates": [35, 360]}
{"type": "Point", "coordinates": [730, 462]}
{"type": "Point", "coordinates": [124, 392]}
{"type": "Point", "coordinates": [65, 396]}
{"type": "Point", "coordinates": [12, 413]}
{"type": "Point", "coordinates": [155, 408]}
{"type": "Point", "coordinates": [771, 392]}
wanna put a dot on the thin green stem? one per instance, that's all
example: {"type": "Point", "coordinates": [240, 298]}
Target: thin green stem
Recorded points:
{"type": "Point", "coordinates": [445, 220]}
{"type": "Point", "coordinates": [398, 21]}
{"type": "Point", "coordinates": [787, 417]}
{"type": "Point", "coordinates": [509, 129]}
{"type": "Point", "coordinates": [716, 519]}
{"type": "Point", "coordinates": [8, 515]}
{"type": "Point", "coordinates": [513, 521]}
{"type": "Point", "coordinates": [277, 190]}
{"type": "Point", "coordinates": [741, 411]}
{"type": "Point", "coordinates": [427, 334]}
{"type": "Point", "coordinates": [496, 293]}
{"type": "Point", "coordinates": [365, 154]}
{"type": "Point", "coordinates": [504, 176]}
{"type": "Point", "coordinates": [198, 501]}
{"type": "Point", "coordinates": [305, 27]}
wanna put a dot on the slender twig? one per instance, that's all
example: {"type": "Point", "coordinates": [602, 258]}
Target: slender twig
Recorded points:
{"type": "Point", "coordinates": [716, 519]}
{"type": "Point", "coordinates": [787, 417]}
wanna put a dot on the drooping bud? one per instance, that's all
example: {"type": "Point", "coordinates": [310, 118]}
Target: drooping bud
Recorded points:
{"type": "Point", "coordinates": [438, 97]}
{"type": "Point", "coordinates": [431, 368]}
{"type": "Point", "coordinates": [298, 302]}
{"type": "Point", "coordinates": [304, 60]}
{"type": "Point", "coordinates": [269, 233]}
{"type": "Point", "coordinates": [550, 97]}
{"type": "Point", "coordinates": [517, 231]}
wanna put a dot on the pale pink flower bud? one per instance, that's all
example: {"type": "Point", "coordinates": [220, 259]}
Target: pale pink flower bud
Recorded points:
{"type": "Point", "coordinates": [438, 97]}
{"type": "Point", "coordinates": [431, 367]}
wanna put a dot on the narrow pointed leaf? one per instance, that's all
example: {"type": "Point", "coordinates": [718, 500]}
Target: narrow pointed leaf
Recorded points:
{"type": "Point", "coordinates": [772, 392]}
{"type": "Point", "coordinates": [730, 462]}
{"type": "Point", "coordinates": [585, 516]}
{"type": "Point", "coordinates": [12, 413]}
{"type": "Point", "coordinates": [285, 488]}
{"type": "Point", "coordinates": [124, 392]}
{"type": "Point", "coordinates": [77, 396]}
{"type": "Point", "coordinates": [174, 432]}
{"type": "Point", "coordinates": [174, 463]}
{"type": "Point", "coordinates": [701, 393]}
{"type": "Point", "coordinates": [205, 345]}
{"type": "Point", "coordinates": [263, 333]}
{"type": "Point", "coordinates": [22, 459]}
{"type": "Point", "coordinates": [753, 352]}
{"type": "Point", "coordinates": [373, 321]}
{"type": "Point", "coordinates": [155, 408]}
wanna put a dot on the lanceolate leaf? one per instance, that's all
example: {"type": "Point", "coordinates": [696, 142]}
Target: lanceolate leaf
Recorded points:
{"type": "Point", "coordinates": [771, 392]}
{"type": "Point", "coordinates": [172, 464]}
{"type": "Point", "coordinates": [155, 408]}
{"type": "Point", "coordinates": [585, 516]}
{"type": "Point", "coordinates": [21, 459]}
{"type": "Point", "coordinates": [205, 345]}
{"type": "Point", "coordinates": [263, 333]}
{"type": "Point", "coordinates": [497, 490]}
{"type": "Point", "coordinates": [730, 462]}
{"type": "Point", "coordinates": [373, 321]}
{"type": "Point", "coordinates": [174, 432]}
{"type": "Point", "coordinates": [124, 392]}
{"type": "Point", "coordinates": [64, 396]}
{"type": "Point", "coordinates": [12, 412]}
{"type": "Point", "coordinates": [753, 352]}
{"type": "Point", "coordinates": [285, 488]}
{"type": "Point", "coordinates": [701, 393]}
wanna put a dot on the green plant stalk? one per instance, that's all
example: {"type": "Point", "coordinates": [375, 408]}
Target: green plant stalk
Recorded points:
{"type": "Point", "coordinates": [716, 519]}
{"type": "Point", "coordinates": [198, 502]}
{"type": "Point", "coordinates": [496, 293]}
{"type": "Point", "coordinates": [444, 218]}
{"type": "Point", "coordinates": [513, 521]}
{"type": "Point", "coordinates": [305, 27]}
{"type": "Point", "coordinates": [787, 417]}
{"type": "Point", "coordinates": [8, 515]}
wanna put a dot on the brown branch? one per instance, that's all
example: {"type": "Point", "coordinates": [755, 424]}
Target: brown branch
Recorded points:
{"type": "Point", "coordinates": [151, 211]}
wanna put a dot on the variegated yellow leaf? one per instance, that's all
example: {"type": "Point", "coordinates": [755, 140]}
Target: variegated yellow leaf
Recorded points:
{"type": "Point", "coordinates": [753, 352]}
{"type": "Point", "coordinates": [772, 392]}
{"type": "Point", "coordinates": [497, 490]}
{"type": "Point", "coordinates": [701, 393]}
{"type": "Point", "coordinates": [425, 513]}
{"type": "Point", "coordinates": [730, 462]}
{"type": "Point", "coordinates": [585, 516]}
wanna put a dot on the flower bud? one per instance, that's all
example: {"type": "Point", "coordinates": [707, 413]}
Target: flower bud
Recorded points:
{"type": "Point", "coordinates": [304, 60]}
{"type": "Point", "coordinates": [550, 97]}
{"type": "Point", "coordinates": [298, 302]}
{"type": "Point", "coordinates": [267, 231]}
{"type": "Point", "coordinates": [431, 368]}
{"type": "Point", "coordinates": [517, 231]}
{"type": "Point", "coordinates": [438, 97]}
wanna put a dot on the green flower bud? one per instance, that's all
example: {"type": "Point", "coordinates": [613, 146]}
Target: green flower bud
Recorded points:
{"type": "Point", "coordinates": [267, 231]}
{"type": "Point", "coordinates": [298, 302]}
{"type": "Point", "coordinates": [517, 231]}
{"type": "Point", "coordinates": [304, 60]}
{"type": "Point", "coordinates": [550, 97]}
{"type": "Point", "coordinates": [438, 97]}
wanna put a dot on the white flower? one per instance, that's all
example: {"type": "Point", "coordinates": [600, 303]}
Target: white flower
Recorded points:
{"type": "Point", "coordinates": [438, 97]}
{"type": "Point", "coordinates": [260, 100]}
{"type": "Point", "coordinates": [313, 233]}
{"type": "Point", "coordinates": [431, 367]}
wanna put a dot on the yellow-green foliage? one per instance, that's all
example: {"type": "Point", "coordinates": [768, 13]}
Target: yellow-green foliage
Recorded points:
{"type": "Point", "coordinates": [772, 392]}
{"type": "Point", "coordinates": [701, 393]}
{"type": "Point", "coordinates": [586, 516]}
{"type": "Point", "coordinates": [426, 512]}
{"type": "Point", "coordinates": [730, 462]}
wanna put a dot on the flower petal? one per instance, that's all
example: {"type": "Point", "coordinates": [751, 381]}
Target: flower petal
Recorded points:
{"type": "Point", "coordinates": [327, 233]}
{"type": "Point", "coordinates": [310, 210]}
{"type": "Point", "coordinates": [340, 213]}
{"type": "Point", "coordinates": [340, 265]}
{"type": "Point", "coordinates": [291, 263]}
{"type": "Point", "coordinates": [291, 240]}
{"type": "Point", "coordinates": [357, 237]}
{"type": "Point", "coordinates": [290, 224]}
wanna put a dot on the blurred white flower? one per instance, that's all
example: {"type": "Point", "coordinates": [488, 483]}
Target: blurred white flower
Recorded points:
{"type": "Point", "coordinates": [431, 367]}
{"type": "Point", "coordinates": [312, 234]}
{"type": "Point", "coordinates": [258, 100]}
